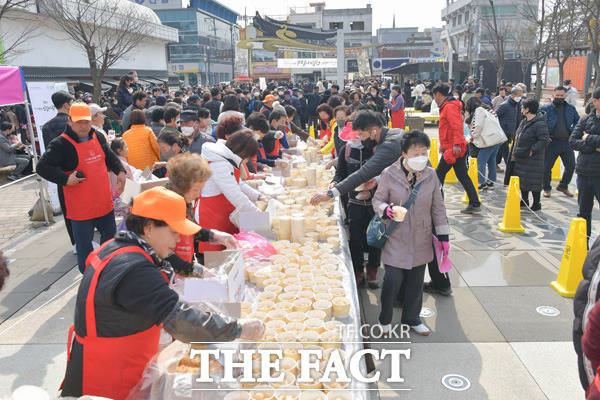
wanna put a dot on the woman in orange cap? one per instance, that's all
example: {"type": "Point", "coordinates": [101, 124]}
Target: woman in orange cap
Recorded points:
{"type": "Point", "coordinates": [187, 175]}
{"type": "Point", "coordinates": [267, 107]}
{"type": "Point", "coordinates": [124, 300]}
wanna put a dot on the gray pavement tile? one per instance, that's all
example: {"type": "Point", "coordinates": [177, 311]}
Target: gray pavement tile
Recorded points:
{"type": "Point", "coordinates": [10, 304]}
{"type": "Point", "coordinates": [540, 360]}
{"type": "Point", "coordinates": [513, 310]}
{"type": "Point", "coordinates": [46, 317]}
{"type": "Point", "coordinates": [554, 257]}
{"type": "Point", "coordinates": [457, 318]}
{"type": "Point", "coordinates": [46, 325]}
{"type": "Point", "coordinates": [35, 364]}
{"type": "Point", "coordinates": [495, 268]}
{"type": "Point", "coordinates": [493, 369]}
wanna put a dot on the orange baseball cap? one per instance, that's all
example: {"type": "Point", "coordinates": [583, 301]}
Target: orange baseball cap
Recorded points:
{"type": "Point", "coordinates": [165, 205]}
{"type": "Point", "coordinates": [269, 98]}
{"type": "Point", "coordinates": [80, 112]}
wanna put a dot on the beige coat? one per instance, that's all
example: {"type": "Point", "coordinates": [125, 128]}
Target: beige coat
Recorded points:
{"type": "Point", "coordinates": [409, 244]}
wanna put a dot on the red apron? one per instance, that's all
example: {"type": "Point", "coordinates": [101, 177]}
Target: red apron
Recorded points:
{"type": "Point", "coordinates": [185, 247]}
{"type": "Point", "coordinates": [112, 366]}
{"type": "Point", "coordinates": [91, 198]}
{"type": "Point", "coordinates": [397, 117]}
{"type": "Point", "coordinates": [275, 151]}
{"type": "Point", "coordinates": [213, 213]}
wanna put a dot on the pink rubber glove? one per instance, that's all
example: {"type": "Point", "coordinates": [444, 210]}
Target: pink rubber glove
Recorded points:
{"type": "Point", "coordinates": [445, 249]}
{"type": "Point", "coordinates": [389, 212]}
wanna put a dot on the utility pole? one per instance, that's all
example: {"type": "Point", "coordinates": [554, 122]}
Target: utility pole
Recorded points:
{"type": "Point", "coordinates": [340, 58]}
{"type": "Point", "coordinates": [232, 53]}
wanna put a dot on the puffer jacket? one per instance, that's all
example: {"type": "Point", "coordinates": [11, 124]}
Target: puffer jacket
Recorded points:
{"type": "Point", "coordinates": [222, 181]}
{"type": "Point", "coordinates": [531, 137]}
{"type": "Point", "coordinates": [586, 296]}
{"type": "Point", "coordinates": [451, 130]}
{"type": "Point", "coordinates": [588, 160]}
{"type": "Point", "coordinates": [507, 114]}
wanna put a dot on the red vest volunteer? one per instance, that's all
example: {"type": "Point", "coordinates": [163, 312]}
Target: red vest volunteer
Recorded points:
{"type": "Point", "coordinates": [124, 300]}
{"type": "Point", "coordinates": [79, 160]}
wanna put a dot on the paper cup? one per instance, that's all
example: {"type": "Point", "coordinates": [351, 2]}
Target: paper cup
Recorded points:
{"type": "Point", "coordinates": [341, 307]}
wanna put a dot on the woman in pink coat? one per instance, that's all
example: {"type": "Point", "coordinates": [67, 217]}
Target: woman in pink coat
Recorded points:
{"type": "Point", "coordinates": [409, 247]}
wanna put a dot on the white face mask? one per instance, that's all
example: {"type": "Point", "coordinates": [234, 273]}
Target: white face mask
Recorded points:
{"type": "Point", "coordinates": [130, 90]}
{"type": "Point", "coordinates": [517, 99]}
{"type": "Point", "coordinates": [300, 96]}
{"type": "Point", "coordinates": [256, 137]}
{"type": "Point", "coordinates": [373, 93]}
{"type": "Point", "coordinates": [355, 143]}
{"type": "Point", "coordinates": [417, 163]}
{"type": "Point", "coordinates": [187, 130]}
{"type": "Point", "coordinates": [256, 94]}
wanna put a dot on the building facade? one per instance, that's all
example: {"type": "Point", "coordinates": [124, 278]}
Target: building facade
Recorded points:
{"type": "Point", "coordinates": [357, 25]}
{"type": "Point", "coordinates": [469, 26]}
{"type": "Point", "coordinates": [50, 55]}
{"type": "Point", "coordinates": [208, 32]}
{"type": "Point", "coordinates": [406, 45]}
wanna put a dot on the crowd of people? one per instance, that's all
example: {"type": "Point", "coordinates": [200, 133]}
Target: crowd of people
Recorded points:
{"type": "Point", "coordinates": [215, 144]}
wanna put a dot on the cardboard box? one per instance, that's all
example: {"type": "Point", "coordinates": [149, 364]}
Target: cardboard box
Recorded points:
{"type": "Point", "coordinates": [209, 290]}
{"type": "Point", "coordinates": [133, 188]}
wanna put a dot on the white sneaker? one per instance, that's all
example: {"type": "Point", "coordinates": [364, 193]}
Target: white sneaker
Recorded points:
{"type": "Point", "coordinates": [95, 245]}
{"type": "Point", "coordinates": [74, 249]}
{"type": "Point", "coordinates": [385, 329]}
{"type": "Point", "coordinates": [421, 329]}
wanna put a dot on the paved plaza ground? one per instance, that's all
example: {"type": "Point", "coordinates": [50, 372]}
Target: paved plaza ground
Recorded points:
{"type": "Point", "coordinates": [488, 331]}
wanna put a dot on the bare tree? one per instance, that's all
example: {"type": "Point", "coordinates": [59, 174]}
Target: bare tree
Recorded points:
{"type": "Point", "coordinates": [525, 47]}
{"type": "Point", "coordinates": [15, 10]}
{"type": "Point", "coordinates": [537, 14]}
{"type": "Point", "coordinates": [498, 33]}
{"type": "Point", "coordinates": [566, 33]}
{"type": "Point", "coordinates": [589, 14]}
{"type": "Point", "coordinates": [106, 30]}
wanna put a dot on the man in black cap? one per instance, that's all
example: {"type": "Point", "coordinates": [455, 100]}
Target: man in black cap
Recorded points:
{"type": "Point", "coordinates": [190, 126]}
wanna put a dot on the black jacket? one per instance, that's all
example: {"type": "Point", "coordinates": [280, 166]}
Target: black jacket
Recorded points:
{"type": "Point", "coordinates": [61, 156]}
{"type": "Point", "coordinates": [588, 160]}
{"type": "Point", "coordinates": [132, 296]}
{"type": "Point", "coordinates": [507, 114]}
{"type": "Point", "coordinates": [54, 128]}
{"type": "Point", "coordinates": [586, 296]}
{"type": "Point", "coordinates": [531, 137]}
{"type": "Point", "coordinates": [214, 106]}
{"type": "Point", "coordinates": [351, 160]}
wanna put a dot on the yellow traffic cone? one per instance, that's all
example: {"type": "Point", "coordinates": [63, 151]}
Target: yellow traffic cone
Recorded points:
{"type": "Point", "coordinates": [451, 176]}
{"type": "Point", "coordinates": [390, 123]}
{"type": "Point", "coordinates": [569, 274]}
{"type": "Point", "coordinates": [473, 174]}
{"type": "Point", "coordinates": [434, 157]}
{"type": "Point", "coordinates": [511, 222]}
{"type": "Point", "coordinates": [556, 176]}
{"type": "Point", "coordinates": [311, 131]}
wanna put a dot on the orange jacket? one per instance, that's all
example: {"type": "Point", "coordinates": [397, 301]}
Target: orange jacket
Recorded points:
{"type": "Point", "coordinates": [142, 145]}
